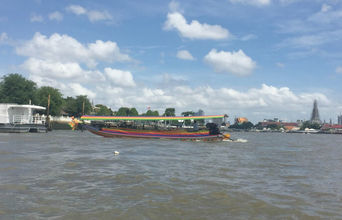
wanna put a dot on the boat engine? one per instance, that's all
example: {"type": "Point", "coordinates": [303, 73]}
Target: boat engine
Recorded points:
{"type": "Point", "coordinates": [213, 128]}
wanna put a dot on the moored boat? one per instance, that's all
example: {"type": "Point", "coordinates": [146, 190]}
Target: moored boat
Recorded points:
{"type": "Point", "coordinates": [16, 118]}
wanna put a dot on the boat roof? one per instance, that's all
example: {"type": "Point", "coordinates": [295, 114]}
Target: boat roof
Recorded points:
{"type": "Point", "coordinates": [148, 118]}
{"type": "Point", "coordinates": [12, 105]}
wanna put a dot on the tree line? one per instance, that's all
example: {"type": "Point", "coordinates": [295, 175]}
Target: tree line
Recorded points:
{"type": "Point", "coordinates": [14, 88]}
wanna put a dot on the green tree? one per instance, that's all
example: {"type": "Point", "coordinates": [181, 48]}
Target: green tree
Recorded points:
{"type": "Point", "coordinates": [69, 106]}
{"type": "Point", "coordinates": [151, 113]}
{"type": "Point", "coordinates": [56, 100]}
{"type": "Point", "coordinates": [133, 112]}
{"type": "Point", "coordinates": [14, 88]}
{"type": "Point", "coordinates": [102, 110]}
{"type": "Point", "coordinates": [148, 113]}
{"type": "Point", "coordinates": [123, 111]}
{"type": "Point", "coordinates": [79, 105]}
{"type": "Point", "coordinates": [74, 106]}
{"type": "Point", "coordinates": [188, 113]}
{"type": "Point", "coordinates": [247, 125]}
{"type": "Point", "coordinates": [169, 112]}
{"type": "Point", "coordinates": [309, 124]}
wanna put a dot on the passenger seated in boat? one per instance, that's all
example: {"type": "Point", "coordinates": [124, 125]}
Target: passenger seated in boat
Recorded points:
{"type": "Point", "coordinates": [213, 129]}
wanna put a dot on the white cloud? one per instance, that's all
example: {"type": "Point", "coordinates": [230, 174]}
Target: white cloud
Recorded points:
{"type": "Point", "coordinates": [57, 16]}
{"type": "Point", "coordinates": [78, 89]}
{"type": "Point", "coordinates": [107, 51]}
{"type": "Point", "coordinates": [51, 62]}
{"type": "Point", "coordinates": [98, 16]}
{"type": "Point", "coordinates": [185, 55]}
{"type": "Point", "coordinates": [281, 65]}
{"type": "Point", "coordinates": [61, 61]}
{"type": "Point", "coordinates": [36, 18]}
{"type": "Point", "coordinates": [76, 9]}
{"type": "Point", "coordinates": [325, 8]}
{"type": "Point", "coordinates": [194, 30]}
{"type": "Point", "coordinates": [267, 100]}
{"type": "Point", "coordinates": [326, 16]}
{"type": "Point", "coordinates": [249, 37]}
{"type": "Point", "coordinates": [174, 6]}
{"type": "Point", "coordinates": [167, 80]}
{"type": "Point", "coordinates": [318, 29]}
{"type": "Point", "coordinates": [93, 15]}
{"type": "Point", "coordinates": [339, 69]}
{"type": "Point", "coordinates": [253, 2]}
{"type": "Point", "coordinates": [237, 63]}
{"type": "Point", "coordinates": [63, 48]}
{"type": "Point", "coordinates": [53, 69]}
{"type": "Point", "coordinates": [120, 77]}
{"type": "Point", "coordinates": [312, 40]}
{"type": "Point", "coordinates": [3, 37]}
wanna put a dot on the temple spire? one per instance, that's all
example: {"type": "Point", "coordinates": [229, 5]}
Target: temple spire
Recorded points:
{"type": "Point", "coordinates": [315, 115]}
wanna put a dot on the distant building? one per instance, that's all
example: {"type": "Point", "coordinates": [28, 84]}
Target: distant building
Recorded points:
{"type": "Point", "coordinates": [315, 115]}
{"type": "Point", "coordinates": [339, 119]}
{"type": "Point", "coordinates": [286, 125]}
{"type": "Point", "coordinates": [331, 127]}
{"type": "Point", "coordinates": [272, 120]}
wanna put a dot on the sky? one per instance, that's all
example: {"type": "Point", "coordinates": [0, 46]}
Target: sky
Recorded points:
{"type": "Point", "coordinates": [258, 59]}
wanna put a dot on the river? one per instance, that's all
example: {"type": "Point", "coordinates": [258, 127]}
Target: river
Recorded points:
{"type": "Point", "coordinates": [75, 175]}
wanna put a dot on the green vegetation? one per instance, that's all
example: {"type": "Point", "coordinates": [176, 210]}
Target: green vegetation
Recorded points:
{"type": "Point", "coordinates": [151, 113]}
{"type": "Point", "coordinates": [169, 112]}
{"type": "Point", "coordinates": [308, 124]}
{"type": "Point", "coordinates": [56, 99]}
{"type": "Point", "coordinates": [102, 110]}
{"type": "Point", "coordinates": [245, 125]}
{"type": "Point", "coordinates": [188, 113]}
{"type": "Point", "coordinates": [124, 111]}
{"type": "Point", "coordinates": [16, 89]}
{"type": "Point", "coordinates": [274, 126]}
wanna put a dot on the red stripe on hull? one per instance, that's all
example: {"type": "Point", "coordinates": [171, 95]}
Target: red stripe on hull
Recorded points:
{"type": "Point", "coordinates": [206, 137]}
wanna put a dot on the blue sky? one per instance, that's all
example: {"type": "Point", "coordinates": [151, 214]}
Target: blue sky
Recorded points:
{"type": "Point", "coordinates": [253, 58]}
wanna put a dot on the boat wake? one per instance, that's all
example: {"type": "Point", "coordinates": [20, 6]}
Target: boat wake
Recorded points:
{"type": "Point", "coordinates": [239, 140]}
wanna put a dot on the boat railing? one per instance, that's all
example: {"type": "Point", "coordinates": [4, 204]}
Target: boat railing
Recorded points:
{"type": "Point", "coordinates": [26, 119]}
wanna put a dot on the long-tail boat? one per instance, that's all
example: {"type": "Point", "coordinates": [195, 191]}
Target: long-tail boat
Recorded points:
{"type": "Point", "coordinates": [141, 127]}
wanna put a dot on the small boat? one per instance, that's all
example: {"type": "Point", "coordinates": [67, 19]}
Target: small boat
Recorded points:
{"type": "Point", "coordinates": [141, 127]}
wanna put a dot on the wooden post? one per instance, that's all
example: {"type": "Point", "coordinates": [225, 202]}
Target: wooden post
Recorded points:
{"type": "Point", "coordinates": [48, 125]}
{"type": "Point", "coordinates": [83, 107]}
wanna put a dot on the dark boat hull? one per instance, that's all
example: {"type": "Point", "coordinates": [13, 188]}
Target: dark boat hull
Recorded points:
{"type": "Point", "coordinates": [22, 128]}
{"type": "Point", "coordinates": [155, 134]}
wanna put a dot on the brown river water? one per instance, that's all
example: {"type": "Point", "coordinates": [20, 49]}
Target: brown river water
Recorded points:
{"type": "Point", "coordinates": [75, 175]}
